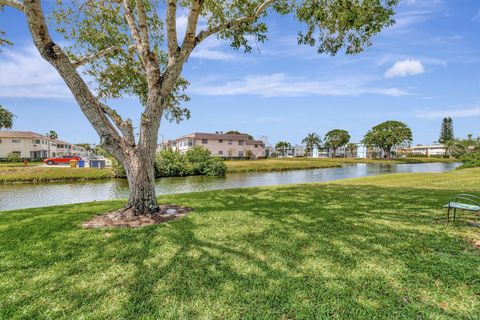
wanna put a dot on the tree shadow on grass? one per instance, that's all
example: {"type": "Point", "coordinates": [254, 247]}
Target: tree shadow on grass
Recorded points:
{"type": "Point", "coordinates": [292, 252]}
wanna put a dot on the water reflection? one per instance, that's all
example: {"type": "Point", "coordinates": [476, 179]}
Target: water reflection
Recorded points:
{"type": "Point", "coordinates": [17, 196]}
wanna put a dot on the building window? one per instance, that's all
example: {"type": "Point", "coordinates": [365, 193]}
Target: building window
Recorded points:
{"type": "Point", "coordinates": [15, 141]}
{"type": "Point", "coordinates": [204, 141]}
{"type": "Point", "coordinates": [36, 141]}
{"type": "Point", "coordinates": [256, 146]}
{"type": "Point", "coordinates": [190, 142]}
{"type": "Point", "coordinates": [240, 153]}
{"type": "Point", "coordinates": [220, 141]}
{"type": "Point", "coordinates": [220, 152]}
{"type": "Point", "coordinates": [18, 153]}
{"type": "Point", "coordinates": [230, 141]}
{"type": "Point", "coordinates": [240, 143]}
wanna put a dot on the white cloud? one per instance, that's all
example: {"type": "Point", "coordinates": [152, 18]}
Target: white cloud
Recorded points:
{"type": "Point", "coordinates": [408, 19]}
{"type": "Point", "coordinates": [405, 68]}
{"type": "Point", "coordinates": [210, 50]}
{"type": "Point", "coordinates": [282, 85]}
{"type": "Point", "coordinates": [210, 54]}
{"type": "Point", "coordinates": [457, 113]}
{"type": "Point", "coordinates": [25, 74]}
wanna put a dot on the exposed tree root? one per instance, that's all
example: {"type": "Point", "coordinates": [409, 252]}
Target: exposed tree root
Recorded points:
{"type": "Point", "coordinates": [125, 218]}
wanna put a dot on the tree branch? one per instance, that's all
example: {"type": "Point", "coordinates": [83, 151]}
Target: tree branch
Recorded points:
{"type": "Point", "coordinates": [232, 24]}
{"type": "Point", "coordinates": [142, 25]}
{"type": "Point", "coordinates": [172, 28]}
{"type": "Point", "coordinates": [125, 126]}
{"type": "Point", "coordinates": [12, 3]}
{"type": "Point", "coordinates": [133, 29]}
{"type": "Point", "coordinates": [189, 38]}
{"type": "Point", "coordinates": [100, 54]}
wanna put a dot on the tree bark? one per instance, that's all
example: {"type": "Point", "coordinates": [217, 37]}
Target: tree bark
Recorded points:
{"type": "Point", "coordinates": [141, 183]}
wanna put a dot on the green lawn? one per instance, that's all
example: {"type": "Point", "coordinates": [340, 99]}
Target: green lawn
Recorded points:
{"type": "Point", "coordinates": [43, 174]}
{"type": "Point", "coordinates": [372, 248]}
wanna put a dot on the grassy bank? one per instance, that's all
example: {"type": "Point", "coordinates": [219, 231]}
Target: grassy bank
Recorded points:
{"type": "Point", "coordinates": [43, 174]}
{"type": "Point", "coordinates": [285, 164]}
{"type": "Point", "coordinates": [34, 173]}
{"type": "Point", "coordinates": [19, 164]}
{"type": "Point", "coordinates": [357, 249]}
{"type": "Point", "coordinates": [236, 166]}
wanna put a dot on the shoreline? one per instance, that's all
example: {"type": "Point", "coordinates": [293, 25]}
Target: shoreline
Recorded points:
{"type": "Point", "coordinates": [38, 174]}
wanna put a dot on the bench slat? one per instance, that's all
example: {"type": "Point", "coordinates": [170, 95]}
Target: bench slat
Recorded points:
{"type": "Point", "coordinates": [462, 206]}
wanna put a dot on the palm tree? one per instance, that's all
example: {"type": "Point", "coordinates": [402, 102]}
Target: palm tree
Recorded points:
{"type": "Point", "coordinates": [351, 148]}
{"type": "Point", "coordinates": [52, 134]}
{"type": "Point", "coordinates": [311, 141]}
{"type": "Point", "coordinates": [282, 147]}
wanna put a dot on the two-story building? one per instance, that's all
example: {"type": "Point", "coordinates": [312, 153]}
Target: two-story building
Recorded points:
{"type": "Point", "coordinates": [27, 144]}
{"type": "Point", "coordinates": [231, 146]}
{"type": "Point", "coordinates": [435, 150]}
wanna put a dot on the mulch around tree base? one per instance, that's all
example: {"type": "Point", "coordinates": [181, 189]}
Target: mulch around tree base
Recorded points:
{"type": "Point", "coordinates": [126, 219]}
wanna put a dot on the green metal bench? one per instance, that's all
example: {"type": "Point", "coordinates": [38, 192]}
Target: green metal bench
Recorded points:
{"type": "Point", "coordinates": [465, 202]}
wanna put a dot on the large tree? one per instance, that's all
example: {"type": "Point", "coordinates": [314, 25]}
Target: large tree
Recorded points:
{"type": "Point", "coordinates": [387, 135]}
{"type": "Point", "coordinates": [6, 118]}
{"type": "Point", "coordinates": [132, 47]}
{"type": "Point", "coordinates": [312, 141]}
{"type": "Point", "coordinates": [336, 138]}
{"type": "Point", "coordinates": [446, 133]}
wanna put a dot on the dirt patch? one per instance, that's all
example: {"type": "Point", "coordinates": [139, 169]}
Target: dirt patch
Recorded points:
{"type": "Point", "coordinates": [476, 243]}
{"type": "Point", "coordinates": [127, 219]}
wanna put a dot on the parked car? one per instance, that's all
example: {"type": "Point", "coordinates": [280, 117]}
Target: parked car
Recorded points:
{"type": "Point", "coordinates": [58, 160]}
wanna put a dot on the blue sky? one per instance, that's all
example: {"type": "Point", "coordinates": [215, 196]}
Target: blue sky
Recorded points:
{"type": "Point", "coordinates": [424, 68]}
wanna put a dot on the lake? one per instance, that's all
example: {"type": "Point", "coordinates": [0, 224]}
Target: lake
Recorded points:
{"type": "Point", "coordinates": [19, 196]}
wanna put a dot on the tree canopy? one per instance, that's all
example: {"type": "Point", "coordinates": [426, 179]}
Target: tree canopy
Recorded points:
{"type": "Point", "coordinates": [336, 138]}
{"type": "Point", "coordinates": [388, 135]}
{"type": "Point", "coordinates": [104, 41]}
{"type": "Point", "coordinates": [6, 118]}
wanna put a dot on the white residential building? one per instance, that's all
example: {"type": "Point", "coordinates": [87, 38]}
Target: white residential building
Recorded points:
{"type": "Point", "coordinates": [31, 145]}
{"type": "Point", "coordinates": [430, 150]}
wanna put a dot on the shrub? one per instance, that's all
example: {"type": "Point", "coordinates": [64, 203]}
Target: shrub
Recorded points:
{"type": "Point", "coordinates": [170, 163]}
{"type": "Point", "coordinates": [13, 157]}
{"type": "Point", "coordinates": [214, 167]}
{"type": "Point", "coordinates": [470, 160]}
{"type": "Point", "coordinates": [198, 158]}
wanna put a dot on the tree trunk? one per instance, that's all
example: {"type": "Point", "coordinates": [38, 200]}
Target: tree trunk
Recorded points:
{"type": "Point", "coordinates": [141, 183]}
